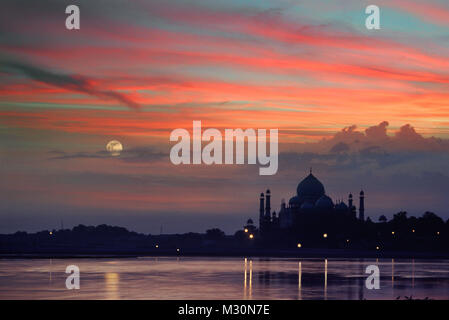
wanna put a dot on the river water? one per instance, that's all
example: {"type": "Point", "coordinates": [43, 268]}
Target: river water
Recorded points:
{"type": "Point", "coordinates": [223, 278]}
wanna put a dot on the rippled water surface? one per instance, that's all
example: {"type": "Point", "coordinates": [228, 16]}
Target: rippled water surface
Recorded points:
{"type": "Point", "coordinates": [223, 278]}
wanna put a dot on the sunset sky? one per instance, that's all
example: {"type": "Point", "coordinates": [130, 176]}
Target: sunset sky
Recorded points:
{"type": "Point", "coordinates": [365, 108]}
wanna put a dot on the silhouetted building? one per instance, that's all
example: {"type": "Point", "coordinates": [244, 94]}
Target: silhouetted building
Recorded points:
{"type": "Point", "coordinates": [261, 212]}
{"type": "Point", "coordinates": [362, 206]}
{"type": "Point", "coordinates": [310, 199]}
{"type": "Point", "coordinates": [250, 228]}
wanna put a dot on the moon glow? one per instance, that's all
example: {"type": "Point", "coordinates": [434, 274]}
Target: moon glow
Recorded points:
{"type": "Point", "coordinates": [114, 147]}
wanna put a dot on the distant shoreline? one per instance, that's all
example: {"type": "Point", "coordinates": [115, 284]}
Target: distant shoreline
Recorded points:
{"type": "Point", "coordinates": [309, 253]}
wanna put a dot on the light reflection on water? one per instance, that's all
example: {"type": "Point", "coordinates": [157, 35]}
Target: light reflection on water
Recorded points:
{"type": "Point", "coordinates": [112, 280]}
{"type": "Point", "coordinates": [223, 278]}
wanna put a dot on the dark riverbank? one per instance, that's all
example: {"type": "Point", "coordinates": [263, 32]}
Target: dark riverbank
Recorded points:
{"type": "Point", "coordinates": [216, 252]}
{"type": "Point", "coordinates": [108, 241]}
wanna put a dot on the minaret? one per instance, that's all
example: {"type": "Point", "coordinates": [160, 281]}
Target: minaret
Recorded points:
{"type": "Point", "coordinates": [268, 205]}
{"type": "Point", "coordinates": [261, 211]}
{"type": "Point", "coordinates": [362, 206]}
{"type": "Point", "coordinates": [274, 219]}
{"type": "Point", "coordinates": [352, 208]}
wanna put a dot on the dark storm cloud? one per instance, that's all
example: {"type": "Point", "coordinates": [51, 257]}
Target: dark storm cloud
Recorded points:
{"type": "Point", "coordinates": [61, 155]}
{"type": "Point", "coordinates": [137, 154]}
{"type": "Point", "coordinates": [374, 148]}
{"type": "Point", "coordinates": [376, 139]}
{"type": "Point", "coordinates": [340, 147]}
{"type": "Point", "coordinates": [66, 81]}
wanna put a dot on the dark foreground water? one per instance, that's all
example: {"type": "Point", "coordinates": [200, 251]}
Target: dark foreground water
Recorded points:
{"type": "Point", "coordinates": [223, 278]}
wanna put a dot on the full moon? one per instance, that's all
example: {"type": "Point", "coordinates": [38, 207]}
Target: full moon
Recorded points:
{"type": "Point", "coordinates": [114, 147]}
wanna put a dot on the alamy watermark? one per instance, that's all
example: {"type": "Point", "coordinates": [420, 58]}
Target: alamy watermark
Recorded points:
{"type": "Point", "coordinates": [373, 280]}
{"type": "Point", "coordinates": [212, 152]}
{"type": "Point", "coordinates": [73, 280]}
{"type": "Point", "coordinates": [72, 22]}
{"type": "Point", "coordinates": [372, 22]}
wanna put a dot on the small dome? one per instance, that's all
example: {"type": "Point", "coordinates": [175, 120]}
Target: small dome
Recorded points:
{"type": "Point", "coordinates": [268, 190]}
{"type": "Point", "coordinates": [341, 206]}
{"type": "Point", "coordinates": [250, 221]}
{"type": "Point", "coordinates": [324, 203]}
{"type": "Point", "coordinates": [350, 195]}
{"type": "Point", "coordinates": [262, 195]}
{"type": "Point", "coordinates": [294, 201]}
{"type": "Point", "coordinates": [307, 205]}
{"type": "Point", "coordinates": [362, 193]}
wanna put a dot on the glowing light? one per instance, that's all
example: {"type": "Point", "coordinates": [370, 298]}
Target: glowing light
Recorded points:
{"type": "Point", "coordinates": [50, 233]}
{"type": "Point", "coordinates": [112, 281]}
{"type": "Point", "coordinates": [244, 279]}
{"type": "Point", "coordinates": [299, 245]}
{"type": "Point", "coordinates": [251, 236]}
{"type": "Point", "coordinates": [246, 229]}
{"type": "Point", "coordinates": [392, 232]}
{"type": "Point", "coordinates": [177, 250]}
{"type": "Point", "coordinates": [324, 235]}
{"type": "Point", "coordinates": [413, 230]}
{"type": "Point", "coordinates": [438, 232]}
{"type": "Point", "coordinates": [157, 246]}
{"type": "Point", "coordinates": [250, 278]}
{"type": "Point", "coordinates": [377, 248]}
{"type": "Point", "coordinates": [325, 279]}
{"type": "Point", "coordinates": [347, 240]}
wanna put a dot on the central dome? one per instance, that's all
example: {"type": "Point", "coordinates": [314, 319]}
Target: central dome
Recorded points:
{"type": "Point", "coordinates": [310, 189]}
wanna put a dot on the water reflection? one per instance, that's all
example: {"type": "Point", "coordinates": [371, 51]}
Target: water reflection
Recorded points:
{"type": "Point", "coordinates": [250, 278]}
{"type": "Point", "coordinates": [51, 270]}
{"type": "Point", "coordinates": [392, 273]}
{"type": "Point", "coordinates": [221, 278]}
{"type": "Point", "coordinates": [248, 289]}
{"type": "Point", "coordinates": [349, 283]}
{"type": "Point", "coordinates": [361, 278]}
{"type": "Point", "coordinates": [112, 280]}
{"type": "Point", "coordinates": [299, 280]}
{"type": "Point", "coordinates": [325, 279]}
{"type": "Point", "coordinates": [244, 280]}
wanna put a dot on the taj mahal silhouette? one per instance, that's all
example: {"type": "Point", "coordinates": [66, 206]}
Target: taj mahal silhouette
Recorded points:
{"type": "Point", "coordinates": [310, 215]}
